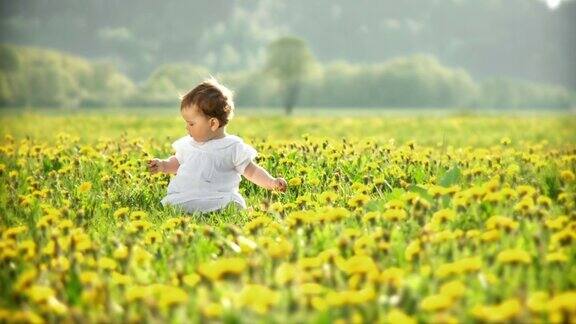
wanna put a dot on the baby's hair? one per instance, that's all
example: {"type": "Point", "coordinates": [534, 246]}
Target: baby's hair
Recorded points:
{"type": "Point", "coordinates": [212, 99]}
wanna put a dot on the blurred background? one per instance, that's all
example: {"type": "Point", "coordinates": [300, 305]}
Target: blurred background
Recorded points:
{"type": "Point", "coordinates": [286, 55]}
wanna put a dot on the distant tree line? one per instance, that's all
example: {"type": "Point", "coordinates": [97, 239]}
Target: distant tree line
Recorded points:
{"type": "Point", "coordinates": [45, 78]}
{"type": "Point", "coordinates": [519, 38]}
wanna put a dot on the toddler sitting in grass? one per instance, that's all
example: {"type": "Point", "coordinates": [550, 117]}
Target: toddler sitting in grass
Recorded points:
{"type": "Point", "coordinates": [208, 162]}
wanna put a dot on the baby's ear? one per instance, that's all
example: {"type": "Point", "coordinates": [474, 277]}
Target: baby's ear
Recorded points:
{"type": "Point", "coordinates": [214, 124]}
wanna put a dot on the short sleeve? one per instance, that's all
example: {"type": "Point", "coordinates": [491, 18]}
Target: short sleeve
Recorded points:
{"type": "Point", "coordinates": [182, 147]}
{"type": "Point", "coordinates": [243, 155]}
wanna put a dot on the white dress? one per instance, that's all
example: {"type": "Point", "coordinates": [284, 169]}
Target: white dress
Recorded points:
{"type": "Point", "coordinates": [209, 173]}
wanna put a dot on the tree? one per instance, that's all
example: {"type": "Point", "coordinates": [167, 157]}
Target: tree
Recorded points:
{"type": "Point", "coordinates": [290, 61]}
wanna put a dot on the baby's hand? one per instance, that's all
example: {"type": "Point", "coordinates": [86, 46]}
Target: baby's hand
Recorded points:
{"type": "Point", "coordinates": [280, 184]}
{"type": "Point", "coordinates": [156, 165]}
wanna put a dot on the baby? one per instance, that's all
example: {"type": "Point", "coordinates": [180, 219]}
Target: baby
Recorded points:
{"type": "Point", "coordinates": [209, 163]}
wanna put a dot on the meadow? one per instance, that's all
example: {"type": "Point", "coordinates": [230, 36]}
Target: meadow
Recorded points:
{"type": "Point", "coordinates": [391, 218]}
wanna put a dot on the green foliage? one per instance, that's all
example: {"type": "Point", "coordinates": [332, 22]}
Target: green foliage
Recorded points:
{"type": "Point", "coordinates": [290, 61]}
{"type": "Point", "coordinates": [40, 77]}
{"type": "Point", "coordinates": [168, 82]}
{"type": "Point", "coordinates": [513, 93]}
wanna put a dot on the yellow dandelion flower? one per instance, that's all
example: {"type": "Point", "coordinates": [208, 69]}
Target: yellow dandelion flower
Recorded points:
{"type": "Point", "coordinates": [556, 257]}
{"type": "Point", "coordinates": [121, 213]}
{"type": "Point", "coordinates": [121, 279]}
{"type": "Point", "coordinates": [453, 289]}
{"type": "Point", "coordinates": [217, 269]}
{"type": "Point", "coordinates": [564, 302]}
{"type": "Point", "coordinates": [435, 303]}
{"type": "Point", "coordinates": [357, 264]}
{"type": "Point", "coordinates": [25, 280]}
{"type": "Point", "coordinates": [557, 223]}
{"type": "Point", "coordinates": [567, 176]}
{"type": "Point", "coordinates": [412, 250]}
{"type": "Point", "coordinates": [397, 316]}
{"type": "Point", "coordinates": [138, 215]}
{"type": "Point", "coordinates": [13, 232]}
{"type": "Point", "coordinates": [121, 252]}
{"type": "Point", "coordinates": [279, 249]}
{"type": "Point", "coordinates": [394, 215]}
{"type": "Point", "coordinates": [498, 313]}
{"type": "Point", "coordinates": [191, 280]}
{"type": "Point", "coordinates": [443, 215]}
{"type": "Point", "coordinates": [285, 273]}
{"type": "Point", "coordinates": [168, 296]}
{"type": "Point", "coordinates": [85, 187]}
{"type": "Point", "coordinates": [501, 223]}
{"type": "Point", "coordinates": [153, 237]}
{"type": "Point", "coordinates": [358, 200]}
{"type": "Point", "coordinates": [258, 298]}
{"type": "Point", "coordinates": [295, 182]}
{"type": "Point", "coordinates": [514, 256]}
{"type": "Point", "coordinates": [135, 293]}
{"type": "Point", "coordinates": [392, 276]}
{"type": "Point", "coordinates": [90, 278]}
{"type": "Point", "coordinates": [538, 301]}
{"type": "Point", "coordinates": [309, 289]}
{"type": "Point", "coordinates": [138, 226]}
{"type": "Point", "coordinates": [105, 263]}
{"type": "Point", "coordinates": [212, 310]}
{"type": "Point", "coordinates": [328, 197]}
{"type": "Point", "coordinates": [40, 294]}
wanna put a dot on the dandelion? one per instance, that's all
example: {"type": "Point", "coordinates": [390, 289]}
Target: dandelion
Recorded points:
{"type": "Point", "coordinates": [358, 200]}
{"type": "Point", "coordinates": [25, 280]}
{"type": "Point", "coordinates": [84, 187]}
{"type": "Point", "coordinates": [121, 252]}
{"type": "Point", "coordinates": [138, 215]}
{"type": "Point", "coordinates": [107, 264]}
{"type": "Point", "coordinates": [152, 237]}
{"type": "Point", "coordinates": [279, 249]}
{"type": "Point", "coordinates": [357, 264]}
{"type": "Point", "coordinates": [394, 215]}
{"type": "Point", "coordinates": [121, 213]}
{"type": "Point", "coordinates": [191, 280]}
{"type": "Point", "coordinates": [138, 226]}
{"type": "Point", "coordinates": [258, 298]}
{"type": "Point", "coordinates": [328, 197]}
{"type": "Point", "coordinates": [556, 257]}
{"type": "Point", "coordinates": [501, 223]}
{"type": "Point", "coordinates": [435, 303]}
{"type": "Point", "coordinates": [217, 269]}
{"type": "Point", "coordinates": [285, 273]}
{"type": "Point", "coordinates": [453, 289]}
{"type": "Point", "coordinates": [295, 182]}
{"type": "Point", "coordinates": [40, 294]}
{"type": "Point", "coordinates": [442, 216]}
{"type": "Point", "coordinates": [538, 302]}
{"type": "Point", "coordinates": [412, 250]}
{"type": "Point", "coordinates": [397, 316]}
{"type": "Point", "coordinates": [567, 176]}
{"type": "Point", "coordinates": [498, 313]}
{"type": "Point", "coordinates": [392, 276]}
{"type": "Point", "coordinates": [514, 256]}
{"type": "Point", "coordinates": [135, 293]}
{"type": "Point", "coordinates": [121, 279]}
{"type": "Point", "coordinates": [212, 310]}
{"type": "Point", "coordinates": [168, 296]}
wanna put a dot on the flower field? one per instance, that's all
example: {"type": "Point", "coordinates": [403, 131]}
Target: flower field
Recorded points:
{"type": "Point", "coordinates": [386, 219]}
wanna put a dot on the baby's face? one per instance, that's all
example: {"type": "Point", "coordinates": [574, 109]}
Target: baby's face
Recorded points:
{"type": "Point", "coordinates": [197, 124]}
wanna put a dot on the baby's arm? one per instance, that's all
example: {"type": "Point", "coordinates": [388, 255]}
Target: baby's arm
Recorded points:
{"type": "Point", "coordinates": [261, 177]}
{"type": "Point", "coordinates": [169, 165]}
